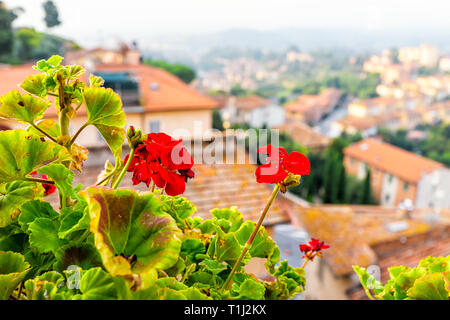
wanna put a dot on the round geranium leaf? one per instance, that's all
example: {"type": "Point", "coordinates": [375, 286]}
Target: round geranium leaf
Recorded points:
{"type": "Point", "coordinates": [132, 234]}
{"type": "Point", "coordinates": [22, 107]}
{"type": "Point", "coordinates": [22, 153]}
{"type": "Point", "coordinates": [13, 269]}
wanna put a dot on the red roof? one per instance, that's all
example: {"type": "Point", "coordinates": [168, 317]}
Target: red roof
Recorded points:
{"type": "Point", "coordinates": [161, 90]}
{"type": "Point", "coordinates": [401, 163]}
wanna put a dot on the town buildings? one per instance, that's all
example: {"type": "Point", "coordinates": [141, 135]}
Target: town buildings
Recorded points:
{"type": "Point", "coordinates": [252, 110]}
{"type": "Point", "coordinates": [397, 175]}
{"type": "Point", "coordinates": [311, 108]}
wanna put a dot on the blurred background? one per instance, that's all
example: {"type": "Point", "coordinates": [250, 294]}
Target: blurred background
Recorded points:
{"type": "Point", "coordinates": [361, 87]}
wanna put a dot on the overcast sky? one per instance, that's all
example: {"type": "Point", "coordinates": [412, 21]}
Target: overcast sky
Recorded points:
{"type": "Point", "coordinates": [90, 20]}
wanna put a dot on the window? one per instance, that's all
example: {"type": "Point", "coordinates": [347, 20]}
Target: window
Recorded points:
{"type": "Point", "coordinates": [155, 126]}
{"type": "Point", "coordinates": [390, 177]}
{"type": "Point", "coordinates": [405, 186]}
{"type": "Point", "coordinates": [387, 198]}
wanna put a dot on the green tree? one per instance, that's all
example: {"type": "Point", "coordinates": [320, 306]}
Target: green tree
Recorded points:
{"type": "Point", "coordinates": [237, 90]}
{"type": "Point", "coordinates": [51, 14]}
{"type": "Point", "coordinates": [217, 120]}
{"type": "Point", "coordinates": [7, 17]}
{"type": "Point", "coordinates": [185, 73]}
{"type": "Point", "coordinates": [28, 39]}
{"type": "Point", "coordinates": [366, 190]}
{"type": "Point", "coordinates": [341, 184]}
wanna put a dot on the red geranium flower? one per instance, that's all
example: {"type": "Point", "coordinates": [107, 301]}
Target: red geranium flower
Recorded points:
{"type": "Point", "coordinates": [313, 248]}
{"type": "Point", "coordinates": [281, 164]}
{"type": "Point", "coordinates": [164, 161]}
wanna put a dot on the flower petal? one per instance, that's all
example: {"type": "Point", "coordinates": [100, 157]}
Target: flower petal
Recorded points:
{"type": "Point", "coordinates": [270, 173]}
{"type": "Point", "coordinates": [297, 163]}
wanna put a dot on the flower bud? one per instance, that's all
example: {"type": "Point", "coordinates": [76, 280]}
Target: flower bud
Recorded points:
{"type": "Point", "coordinates": [134, 137]}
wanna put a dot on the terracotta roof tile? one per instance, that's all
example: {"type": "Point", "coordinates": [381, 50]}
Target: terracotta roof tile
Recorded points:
{"type": "Point", "coordinates": [168, 93]}
{"type": "Point", "coordinates": [383, 156]}
{"type": "Point", "coordinates": [352, 231]}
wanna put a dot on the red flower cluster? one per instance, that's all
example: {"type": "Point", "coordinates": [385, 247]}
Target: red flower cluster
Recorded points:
{"type": "Point", "coordinates": [313, 248]}
{"type": "Point", "coordinates": [48, 188]}
{"type": "Point", "coordinates": [280, 165]}
{"type": "Point", "coordinates": [165, 161]}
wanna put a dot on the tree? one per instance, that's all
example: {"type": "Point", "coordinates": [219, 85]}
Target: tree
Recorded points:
{"type": "Point", "coordinates": [217, 120]}
{"type": "Point", "coordinates": [51, 14]}
{"type": "Point", "coordinates": [185, 73]}
{"type": "Point", "coordinates": [237, 90]}
{"type": "Point", "coordinates": [341, 195]}
{"type": "Point", "coordinates": [7, 17]}
{"type": "Point", "coordinates": [366, 190]}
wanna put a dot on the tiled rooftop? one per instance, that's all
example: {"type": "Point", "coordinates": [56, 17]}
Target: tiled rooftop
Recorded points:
{"type": "Point", "coordinates": [353, 231]}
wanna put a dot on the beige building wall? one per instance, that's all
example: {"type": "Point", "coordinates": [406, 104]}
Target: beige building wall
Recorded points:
{"type": "Point", "coordinates": [190, 123]}
{"type": "Point", "coordinates": [322, 284]}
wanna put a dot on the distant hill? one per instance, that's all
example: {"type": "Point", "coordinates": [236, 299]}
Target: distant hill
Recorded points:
{"type": "Point", "coordinates": [304, 38]}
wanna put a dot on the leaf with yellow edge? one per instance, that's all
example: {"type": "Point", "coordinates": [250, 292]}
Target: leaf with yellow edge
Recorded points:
{"type": "Point", "coordinates": [13, 268]}
{"type": "Point", "coordinates": [133, 236]}
{"type": "Point", "coordinates": [13, 195]}
{"type": "Point", "coordinates": [104, 109]}
{"type": "Point", "coordinates": [50, 127]}
{"type": "Point", "coordinates": [22, 107]}
{"type": "Point", "coordinates": [23, 153]}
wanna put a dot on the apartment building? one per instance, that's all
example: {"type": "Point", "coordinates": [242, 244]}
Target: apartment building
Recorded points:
{"type": "Point", "coordinates": [398, 175]}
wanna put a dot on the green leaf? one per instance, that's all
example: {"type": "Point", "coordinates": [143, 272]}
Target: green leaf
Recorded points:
{"type": "Point", "coordinates": [13, 268]}
{"type": "Point", "coordinates": [229, 219]}
{"type": "Point", "coordinates": [262, 247]}
{"type": "Point", "coordinates": [36, 85]}
{"type": "Point", "coordinates": [63, 178]}
{"type": "Point", "coordinates": [132, 234]}
{"type": "Point", "coordinates": [368, 281]}
{"type": "Point", "coordinates": [429, 287]}
{"type": "Point", "coordinates": [13, 195]}
{"type": "Point", "coordinates": [39, 262]}
{"type": "Point", "coordinates": [55, 60]}
{"type": "Point", "coordinates": [22, 153]}
{"type": "Point", "coordinates": [72, 222]}
{"type": "Point", "coordinates": [84, 255]}
{"type": "Point", "coordinates": [190, 248]}
{"type": "Point", "coordinates": [34, 209]}
{"type": "Point", "coordinates": [213, 266]}
{"type": "Point", "coordinates": [44, 235]}
{"type": "Point", "coordinates": [104, 109]}
{"type": "Point", "coordinates": [436, 264]}
{"type": "Point", "coordinates": [22, 107]}
{"type": "Point", "coordinates": [289, 282]}
{"type": "Point", "coordinates": [48, 286]}
{"type": "Point", "coordinates": [248, 289]}
{"type": "Point", "coordinates": [48, 126]}
{"type": "Point", "coordinates": [96, 82]}
{"type": "Point", "coordinates": [179, 208]}
{"type": "Point", "coordinates": [96, 284]}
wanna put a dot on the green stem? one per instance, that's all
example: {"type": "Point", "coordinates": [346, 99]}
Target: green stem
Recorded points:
{"type": "Point", "coordinates": [252, 237]}
{"type": "Point", "coordinates": [43, 132]}
{"type": "Point", "coordinates": [124, 170]}
{"type": "Point", "coordinates": [64, 120]}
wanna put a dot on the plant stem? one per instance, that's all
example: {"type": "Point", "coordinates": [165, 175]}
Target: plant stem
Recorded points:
{"type": "Point", "coordinates": [78, 133]}
{"type": "Point", "coordinates": [43, 132]}
{"type": "Point", "coordinates": [40, 180]}
{"type": "Point", "coordinates": [124, 170]}
{"type": "Point", "coordinates": [252, 237]}
{"type": "Point", "coordinates": [105, 178]}
{"type": "Point", "coordinates": [304, 263]}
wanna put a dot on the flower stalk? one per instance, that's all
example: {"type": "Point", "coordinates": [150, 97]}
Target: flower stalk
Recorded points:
{"type": "Point", "coordinates": [124, 170]}
{"type": "Point", "coordinates": [249, 243]}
